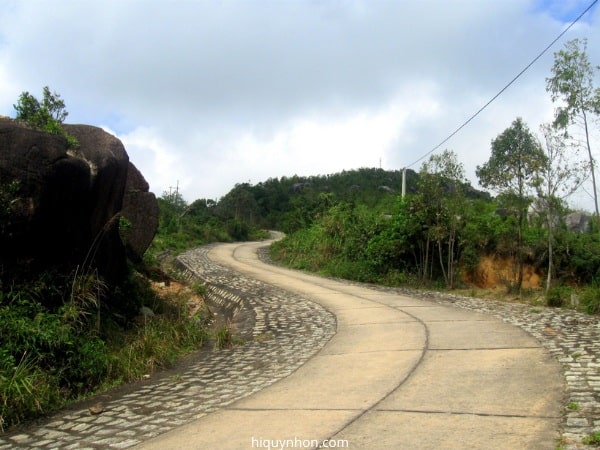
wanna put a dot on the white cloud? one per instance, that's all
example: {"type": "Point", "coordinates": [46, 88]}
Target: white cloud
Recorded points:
{"type": "Point", "coordinates": [214, 92]}
{"type": "Point", "coordinates": [162, 165]}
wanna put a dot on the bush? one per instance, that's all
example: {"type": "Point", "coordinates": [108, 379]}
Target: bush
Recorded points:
{"type": "Point", "coordinates": [590, 299]}
{"type": "Point", "coordinates": [557, 296]}
{"type": "Point", "coordinates": [351, 270]}
{"type": "Point", "coordinates": [47, 115]}
{"type": "Point", "coordinates": [51, 353]}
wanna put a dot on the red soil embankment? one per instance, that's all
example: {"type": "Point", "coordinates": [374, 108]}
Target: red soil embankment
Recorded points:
{"type": "Point", "coordinates": [495, 272]}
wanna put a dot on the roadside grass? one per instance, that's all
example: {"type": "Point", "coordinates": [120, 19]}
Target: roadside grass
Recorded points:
{"type": "Point", "coordinates": [50, 357]}
{"type": "Point", "coordinates": [592, 439]}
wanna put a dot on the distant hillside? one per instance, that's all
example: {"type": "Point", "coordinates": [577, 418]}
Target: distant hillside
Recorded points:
{"type": "Point", "coordinates": [291, 203]}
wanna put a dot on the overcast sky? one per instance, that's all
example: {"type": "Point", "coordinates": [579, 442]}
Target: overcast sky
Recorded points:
{"type": "Point", "coordinates": [213, 93]}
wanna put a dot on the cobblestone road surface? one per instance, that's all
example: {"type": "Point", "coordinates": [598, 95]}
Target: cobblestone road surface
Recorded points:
{"type": "Point", "coordinates": [288, 331]}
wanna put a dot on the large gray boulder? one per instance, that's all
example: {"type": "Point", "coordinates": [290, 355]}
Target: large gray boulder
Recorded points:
{"type": "Point", "coordinates": [67, 208]}
{"type": "Point", "coordinates": [140, 209]}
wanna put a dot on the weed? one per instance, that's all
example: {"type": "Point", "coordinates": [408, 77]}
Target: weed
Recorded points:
{"type": "Point", "coordinates": [223, 337]}
{"type": "Point", "coordinates": [573, 406]}
{"type": "Point", "coordinates": [561, 443]}
{"type": "Point", "coordinates": [84, 300]}
{"type": "Point", "coordinates": [24, 390]}
{"type": "Point", "coordinates": [175, 378]}
{"type": "Point", "coordinates": [264, 337]}
{"type": "Point", "coordinates": [51, 355]}
{"type": "Point", "coordinates": [199, 289]}
{"type": "Point", "coordinates": [592, 439]}
{"type": "Point", "coordinates": [125, 228]}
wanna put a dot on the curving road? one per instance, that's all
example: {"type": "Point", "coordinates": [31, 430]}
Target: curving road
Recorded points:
{"type": "Point", "coordinates": [400, 373]}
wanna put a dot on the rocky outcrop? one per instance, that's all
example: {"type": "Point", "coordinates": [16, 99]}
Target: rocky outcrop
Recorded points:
{"type": "Point", "coordinates": [140, 208]}
{"type": "Point", "coordinates": [578, 222]}
{"type": "Point", "coordinates": [67, 206]}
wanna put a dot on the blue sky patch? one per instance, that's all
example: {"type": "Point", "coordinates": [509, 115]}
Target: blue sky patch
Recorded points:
{"type": "Point", "coordinates": [564, 10]}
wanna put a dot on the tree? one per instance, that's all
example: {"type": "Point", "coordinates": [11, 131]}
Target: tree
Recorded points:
{"type": "Point", "coordinates": [46, 116]}
{"type": "Point", "coordinates": [561, 177]}
{"type": "Point", "coordinates": [513, 170]}
{"type": "Point", "coordinates": [441, 188]}
{"type": "Point", "coordinates": [572, 82]}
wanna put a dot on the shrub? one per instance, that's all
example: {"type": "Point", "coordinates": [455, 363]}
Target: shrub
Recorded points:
{"type": "Point", "coordinates": [51, 353]}
{"type": "Point", "coordinates": [47, 115]}
{"type": "Point", "coordinates": [557, 296]}
{"type": "Point", "coordinates": [590, 299]}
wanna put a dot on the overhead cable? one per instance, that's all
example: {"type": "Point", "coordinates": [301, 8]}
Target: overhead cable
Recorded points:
{"type": "Point", "coordinates": [505, 87]}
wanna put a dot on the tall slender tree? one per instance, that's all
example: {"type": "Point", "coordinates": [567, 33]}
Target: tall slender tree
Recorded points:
{"type": "Point", "coordinates": [561, 176]}
{"type": "Point", "coordinates": [513, 171]}
{"type": "Point", "coordinates": [572, 83]}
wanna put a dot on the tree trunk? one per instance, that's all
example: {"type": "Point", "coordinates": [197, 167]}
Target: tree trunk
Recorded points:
{"type": "Point", "coordinates": [550, 246]}
{"type": "Point", "coordinates": [550, 262]}
{"type": "Point", "coordinates": [520, 257]}
{"type": "Point", "coordinates": [426, 263]}
{"type": "Point", "coordinates": [592, 165]}
{"type": "Point", "coordinates": [441, 256]}
{"type": "Point", "coordinates": [451, 261]}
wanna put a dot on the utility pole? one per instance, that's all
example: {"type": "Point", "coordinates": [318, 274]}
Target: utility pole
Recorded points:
{"type": "Point", "coordinates": [403, 183]}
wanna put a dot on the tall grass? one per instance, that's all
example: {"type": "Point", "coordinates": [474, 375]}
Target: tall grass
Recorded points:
{"type": "Point", "coordinates": [50, 355]}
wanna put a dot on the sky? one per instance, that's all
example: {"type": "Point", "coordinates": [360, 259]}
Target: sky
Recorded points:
{"type": "Point", "coordinates": [209, 93]}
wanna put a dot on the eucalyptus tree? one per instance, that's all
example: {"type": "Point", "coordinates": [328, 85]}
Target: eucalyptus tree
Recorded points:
{"type": "Point", "coordinates": [513, 171]}
{"type": "Point", "coordinates": [572, 83]}
{"type": "Point", "coordinates": [561, 176]}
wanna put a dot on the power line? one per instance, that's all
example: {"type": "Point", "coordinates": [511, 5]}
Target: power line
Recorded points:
{"type": "Point", "coordinates": [505, 87]}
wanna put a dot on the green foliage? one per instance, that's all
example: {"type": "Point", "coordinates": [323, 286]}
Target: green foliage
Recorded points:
{"type": "Point", "coordinates": [305, 249]}
{"type": "Point", "coordinates": [557, 296]}
{"type": "Point", "coordinates": [574, 406]}
{"type": "Point", "coordinates": [43, 353]}
{"type": "Point", "coordinates": [58, 344]}
{"type": "Point", "coordinates": [223, 337]}
{"type": "Point", "coordinates": [349, 240]}
{"type": "Point", "coordinates": [47, 115]}
{"type": "Point", "coordinates": [345, 243]}
{"type": "Point", "coordinates": [572, 84]}
{"type": "Point", "coordinates": [592, 439]}
{"type": "Point", "coordinates": [25, 389]}
{"type": "Point", "coordinates": [183, 226]}
{"type": "Point", "coordinates": [156, 343]}
{"type": "Point", "coordinates": [590, 299]}
{"type": "Point", "coordinates": [125, 227]}
{"type": "Point", "coordinates": [577, 257]}
{"type": "Point", "coordinates": [514, 171]}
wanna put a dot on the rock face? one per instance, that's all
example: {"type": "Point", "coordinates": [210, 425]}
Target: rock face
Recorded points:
{"type": "Point", "coordinates": [140, 208]}
{"type": "Point", "coordinates": [578, 222]}
{"type": "Point", "coordinates": [67, 208]}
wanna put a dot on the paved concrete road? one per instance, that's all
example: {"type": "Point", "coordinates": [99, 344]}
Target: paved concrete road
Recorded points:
{"type": "Point", "coordinates": [400, 373]}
